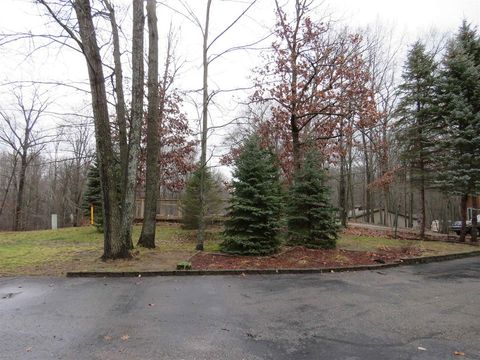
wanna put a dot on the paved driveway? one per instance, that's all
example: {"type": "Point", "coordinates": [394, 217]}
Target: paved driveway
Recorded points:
{"type": "Point", "coordinates": [415, 312]}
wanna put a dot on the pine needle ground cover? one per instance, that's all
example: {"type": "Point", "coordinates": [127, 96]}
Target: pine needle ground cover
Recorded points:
{"type": "Point", "coordinates": [54, 252]}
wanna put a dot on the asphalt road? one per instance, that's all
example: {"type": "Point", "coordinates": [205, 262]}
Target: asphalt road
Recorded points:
{"type": "Point", "coordinates": [412, 312]}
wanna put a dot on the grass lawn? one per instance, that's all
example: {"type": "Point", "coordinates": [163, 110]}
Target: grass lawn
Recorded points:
{"type": "Point", "coordinates": [428, 248]}
{"type": "Point", "coordinates": [54, 252]}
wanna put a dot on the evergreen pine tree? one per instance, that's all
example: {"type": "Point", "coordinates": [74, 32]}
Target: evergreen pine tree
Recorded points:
{"type": "Point", "coordinates": [190, 201]}
{"type": "Point", "coordinates": [311, 217]}
{"type": "Point", "coordinates": [459, 109]}
{"type": "Point", "coordinates": [93, 197]}
{"type": "Point", "coordinates": [416, 111]}
{"type": "Point", "coordinates": [256, 203]}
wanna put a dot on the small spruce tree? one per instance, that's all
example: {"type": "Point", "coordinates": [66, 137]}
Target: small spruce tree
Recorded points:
{"type": "Point", "coordinates": [256, 203]}
{"type": "Point", "coordinates": [310, 216]}
{"type": "Point", "coordinates": [93, 197]}
{"type": "Point", "coordinates": [190, 201]}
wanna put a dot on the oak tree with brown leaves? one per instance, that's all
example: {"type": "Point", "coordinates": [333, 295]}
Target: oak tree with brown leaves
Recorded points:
{"type": "Point", "coordinates": [310, 77]}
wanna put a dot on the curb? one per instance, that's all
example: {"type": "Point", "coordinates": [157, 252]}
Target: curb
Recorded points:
{"type": "Point", "coordinates": [438, 258]}
{"type": "Point", "coordinates": [405, 261]}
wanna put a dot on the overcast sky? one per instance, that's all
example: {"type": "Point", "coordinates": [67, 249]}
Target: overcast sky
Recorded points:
{"type": "Point", "coordinates": [409, 20]}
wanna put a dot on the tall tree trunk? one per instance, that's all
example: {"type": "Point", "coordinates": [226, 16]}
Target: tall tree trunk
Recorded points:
{"type": "Point", "coordinates": [128, 203]}
{"type": "Point", "coordinates": [384, 168]}
{"type": "Point", "coordinates": [405, 196]}
{"type": "Point", "coordinates": [77, 191]}
{"type": "Point", "coordinates": [35, 222]}
{"type": "Point", "coordinates": [370, 177]}
{"type": "Point", "coordinates": [120, 103]}
{"type": "Point", "coordinates": [410, 210]}
{"type": "Point", "coordinates": [147, 237]}
{"type": "Point", "coordinates": [410, 213]}
{"type": "Point", "coordinates": [422, 203]}
{"type": "Point", "coordinates": [368, 199]}
{"type": "Point", "coordinates": [294, 121]}
{"type": "Point", "coordinates": [463, 213]}
{"type": "Point", "coordinates": [114, 247]}
{"type": "Point", "coordinates": [422, 170]}
{"type": "Point", "coordinates": [386, 207]}
{"type": "Point", "coordinates": [342, 194]}
{"type": "Point", "coordinates": [474, 218]}
{"type": "Point", "coordinates": [297, 157]}
{"type": "Point", "coordinates": [19, 223]}
{"type": "Point", "coordinates": [203, 154]}
{"type": "Point", "coordinates": [351, 192]}
{"type": "Point", "coordinates": [9, 183]}
{"type": "Point", "coordinates": [342, 191]}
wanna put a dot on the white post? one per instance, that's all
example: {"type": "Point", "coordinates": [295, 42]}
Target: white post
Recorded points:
{"type": "Point", "coordinates": [54, 221]}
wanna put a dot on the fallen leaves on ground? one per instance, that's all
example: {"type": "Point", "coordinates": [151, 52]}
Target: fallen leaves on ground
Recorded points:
{"type": "Point", "coordinates": [300, 257]}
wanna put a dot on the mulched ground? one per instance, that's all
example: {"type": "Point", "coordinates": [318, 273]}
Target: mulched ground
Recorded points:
{"type": "Point", "coordinates": [300, 257]}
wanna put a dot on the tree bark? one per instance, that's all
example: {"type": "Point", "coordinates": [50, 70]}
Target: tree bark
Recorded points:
{"type": "Point", "coordinates": [368, 199]}
{"type": "Point", "coordinates": [128, 203]}
{"type": "Point", "coordinates": [147, 237]}
{"type": "Point", "coordinates": [410, 211]}
{"type": "Point", "coordinates": [350, 186]}
{"type": "Point", "coordinates": [297, 157]}
{"type": "Point", "coordinates": [19, 208]}
{"type": "Point", "coordinates": [463, 213]}
{"type": "Point", "coordinates": [114, 247]}
{"type": "Point", "coordinates": [203, 155]}
{"type": "Point", "coordinates": [294, 126]}
{"type": "Point", "coordinates": [342, 190]}
{"type": "Point", "coordinates": [422, 204]}
{"type": "Point", "coordinates": [77, 194]}
{"type": "Point", "coordinates": [405, 195]}
{"type": "Point", "coordinates": [474, 233]}
{"type": "Point", "coordinates": [9, 183]}
{"type": "Point", "coordinates": [120, 103]}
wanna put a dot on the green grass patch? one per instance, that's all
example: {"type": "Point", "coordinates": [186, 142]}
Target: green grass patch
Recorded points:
{"type": "Point", "coordinates": [32, 248]}
{"type": "Point", "coordinates": [53, 252]}
{"type": "Point", "coordinates": [428, 248]}
{"type": "Point", "coordinates": [34, 252]}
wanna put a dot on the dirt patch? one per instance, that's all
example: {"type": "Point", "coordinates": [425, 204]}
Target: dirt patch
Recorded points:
{"type": "Point", "coordinates": [300, 257]}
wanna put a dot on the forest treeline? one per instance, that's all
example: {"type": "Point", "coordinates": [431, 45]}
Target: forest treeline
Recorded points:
{"type": "Point", "coordinates": [394, 139]}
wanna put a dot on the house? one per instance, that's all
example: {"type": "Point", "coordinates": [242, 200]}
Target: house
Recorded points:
{"type": "Point", "coordinates": [470, 207]}
{"type": "Point", "coordinates": [169, 205]}
{"type": "Point", "coordinates": [168, 209]}
{"type": "Point", "coordinates": [359, 216]}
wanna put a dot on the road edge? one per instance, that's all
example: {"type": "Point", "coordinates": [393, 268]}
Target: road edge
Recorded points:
{"type": "Point", "coordinates": [404, 261]}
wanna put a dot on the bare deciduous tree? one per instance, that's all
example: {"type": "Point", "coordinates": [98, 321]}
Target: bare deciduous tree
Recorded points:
{"type": "Point", "coordinates": [117, 205]}
{"type": "Point", "coordinates": [147, 237]}
{"type": "Point", "coordinates": [207, 95]}
{"type": "Point", "coordinates": [20, 132]}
